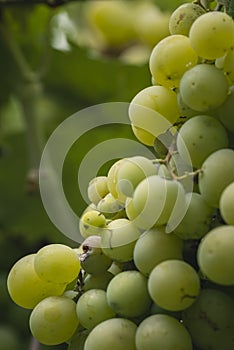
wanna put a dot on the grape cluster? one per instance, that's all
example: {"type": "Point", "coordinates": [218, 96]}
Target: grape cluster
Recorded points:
{"type": "Point", "coordinates": [155, 270]}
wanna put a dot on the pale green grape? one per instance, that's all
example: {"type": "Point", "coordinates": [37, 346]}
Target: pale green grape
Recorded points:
{"type": "Point", "coordinates": [53, 321]}
{"type": "Point", "coordinates": [155, 246]}
{"type": "Point", "coordinates": [114, 334]}
{"type": "Point", "coordinates": [174, 285]}
{"type": "Point", "coordinates": [92, 308]}
{"type": "Point", "coordinates": [197, 219]}
{"type": "Point", "coordinates": [210, 320]}
{"type": "Point", "coordinates": [92, 222]}
{"type": "Point", "coordinates": [162, 332]}
{"type": "Point", "coordinates": [93, 260]}
{"type": "Point", "coordinates": [211, 35]}
{"type": "Point", "coordinates": [112, 181]}
{"type": "Point", "coordinates": [133, 215]}
{"type": "Point", "coordinates": [110, 207]}
{"type": "Point", "coordinates": [127, 294]}
{"type": "Point", "coordinates": [158, 201]}
{"type": "Point", "coordinates": [217, 173]}
{"type": "Point", "coordinates": [97, 189]}
{"type": "Point", "coordinates": [99, 281]}
{"type": "Point", "coordinates": [119, 238]}
{"type": "Point", "coordinates": [170, 59]}
{"type": "Point", "coordinates": [228, 64]}
{"type": "Point", "coordinates": [215, 255]}
{"type": "Point", "coordinates": [201, 136]}
{"type": "Point", "coordinates": [26, 288]}
{"type": "Point", "coordinates": [203, 87]}
{"type": "Point", "coordinates": [183, 17]}
{"type": "Point", "coordinates": [144, 136]}
{"type": "Point", "coordinates": [132, 171]}
{"type": "Point", "coordinates": [57, 263]}
{"type": "Point", "coordinates": [151, 24]}
{"type": "Point", "coordinates": [225, 111]}
{"type": "Point", "coordinates": [226, 204]}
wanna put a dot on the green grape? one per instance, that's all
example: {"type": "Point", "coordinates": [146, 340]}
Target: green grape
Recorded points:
{"type": "Point", "coordinates": [215, 255]}
{"type": "Point", "coordinates": [25, 287]}
{"type": "Point", "coordinates": [217, 173]}
{"type": "Point", "coordinates": [186, 111]}
{"type": "Point", "coordinates": [110, 207]}
{"type": "Point", "coordinates": [78, 340]}
{"type": "Point", "coordinates": [197, 219]}
{"type": "Point", "coordinates": [132, 172]}
{"type": "Point", "coordinates": [133, 215]}
{"type": "Point", "coordinates": [53, 321]}
{"type": "Point", "coordinates": [99, 281]}
{"type": "Point", "coordinates": [97, 189]}
{"type": "Point", "coordinates": [225, 111]}
{"type": "Point", "coordinates": [170, 59]}
{"type": "Point", "coordinates": [92, 308]}
{"type": "Point", "coordinates": [226, 204]}
{"type": "Point", "coordinates": [228, 64]}
{"type": "Point", "coordinates": [151, 24]}
{"type": "Point", "coordinates": [162, 332]}
{"type": "Point", "coordinates": [141, 133]}
{"type": "Point", "coordinates": [112, 181]}
{"type": "Point", "coordinates": [119, 238]}
{"type": "Point", "coordinates": [210, 320]}
{"type": "Point", "coordinates": [201, 136]}
{"type": "Point", "coordinates": [57, 263]}
{"type": "Point", "coordinates": [159, 201]}
{"type": "Point", "coordinates": [93, 260]}
{"type": "Point", "coordinates": [92, 222]}
{"type": "Point", "coordinates": [211, 35]}
{"type": "Point", "coordinates": [203, 87]}
{"type": "Point", "coordinates": [174, 285]}
{"type": "Point", "coordinates": [183, 17]}
{"type": "Point", "coordinates": [104, 17]}
{"type": "Point", "coordinates": [127, 294]}
{"type": "Point", "coordinates": [155, 246]}
{"type": "Point", "coordinates": [115, 334]}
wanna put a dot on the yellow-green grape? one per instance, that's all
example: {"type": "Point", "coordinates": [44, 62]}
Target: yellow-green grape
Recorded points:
{"type": "Point", "coordinates": [91, 223]}
{"type": "Point", "coordinates": [112, 181]}
{"type": "Point", "coordinates": [144, 136]}
{"type": "Point", "coordinates": [217, 173]}
{"type": "Point", "coordinates": [204, 87]}
{"type": "Point", "coordinates": [57, 263]}
{"type": "Point", "coordinates": [174, 285]}
{"type": "Point", "coordinates": [110, 207]}
{"type": "Point", "coordinates": [99, 281]}
{"type": "Point", "coordinates": [226, 204]}
{"type": "Point", "coordinates": [150, 23]}
{"type": "Point", "coordinates": [209, 320]}
{"type": "Point", "coordinates": [92, 308]}
{"type": "Point", "coordinates": [119, 238]}
{"type": "Point", "coordinates": [97, 189]}
{"type": "Point", "coordinates": [228, 64]}
{"type": "Point", "coordinates": [54, 320]}
{"type": "Point", "coordinates": [201, 136]}
{"type": "Point", "coordinates": [158, 201]}
{"type": "Point", "coordinates": [162, 332]}
{"type": "Point", "coordinates": [183, 17]}
{"type": "Point", "coordinates": [128, 295]}
{"type": "Point", "coordinates": [26, 288]}
{"type": "Point", "coordinates": [215, 255]}
{"type": "Point", "coordinates": [133, 215]}
{"type": "Point", "coordinates": [170, 59]}
{"type": "Point", "coordinates": [132, 171]}
{"type": "Point", "coordinates": [115, 334]}
{"type": "Point", "coordinates": [155, 246]}
{"type": "Point", "coordinates": [105, 18]}
{"type": "Point", "coordinates": [93, 260]}
{"type": "Point", "coordinates": [211, 35]}
{"type": "Point", "coordinates": [197, 219]}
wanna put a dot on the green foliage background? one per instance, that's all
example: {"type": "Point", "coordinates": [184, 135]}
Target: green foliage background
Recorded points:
{"type": "Point", "coordinates": [48, 85]}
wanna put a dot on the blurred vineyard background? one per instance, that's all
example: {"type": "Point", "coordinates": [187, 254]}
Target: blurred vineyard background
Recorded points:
{"type": "Point", "coordinates": [54, 63]}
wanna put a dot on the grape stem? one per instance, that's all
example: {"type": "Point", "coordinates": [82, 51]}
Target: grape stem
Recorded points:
{"type": "Point", "coordinates": [186, 174]}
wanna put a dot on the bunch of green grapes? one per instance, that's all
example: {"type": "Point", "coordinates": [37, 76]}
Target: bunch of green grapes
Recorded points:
{"type": "Point", "coordinates": [155, 269]}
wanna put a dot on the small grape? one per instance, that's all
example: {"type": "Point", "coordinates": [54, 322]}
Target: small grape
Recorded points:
{"type": "Point", "coordinates": [110, 207]}
{"type": "Point", "coordinates": [92, 222]}
{"type": "Point", "coordinates": [97, 189]}
{"type": "Point", "coordinates": [226, 204]}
